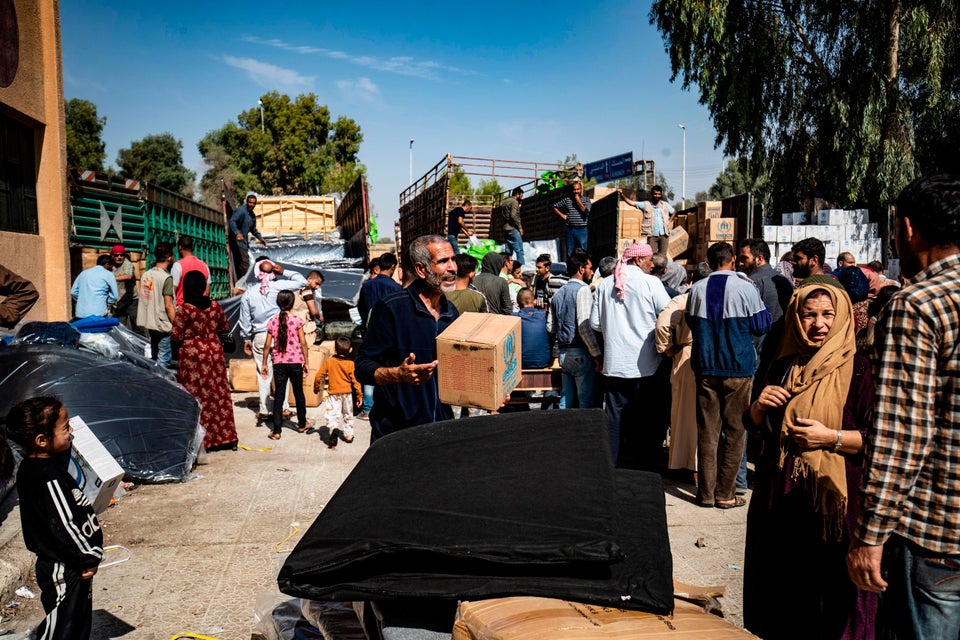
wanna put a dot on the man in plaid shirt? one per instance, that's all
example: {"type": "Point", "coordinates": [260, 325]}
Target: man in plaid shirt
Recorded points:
{"type": "Point", "coordinates": [907, 539]}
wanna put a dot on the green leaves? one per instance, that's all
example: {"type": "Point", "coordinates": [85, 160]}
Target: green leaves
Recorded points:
{"type": "Point", "coordinates": [282, 146]}
{"type": "Point", "coordinates": [157, 159]}
{"type": "Point", "coordinates": [85, 147]}
{"type": "Point", "coordinates": [816, 89]}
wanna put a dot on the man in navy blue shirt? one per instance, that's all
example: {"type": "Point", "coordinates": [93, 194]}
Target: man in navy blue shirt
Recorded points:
{"type": "Point", "coordinates": [243, 223]}
{"type": "Point", "coordinates": [399, 351]}
{"type": "Point", "coordinates": [456, 223]}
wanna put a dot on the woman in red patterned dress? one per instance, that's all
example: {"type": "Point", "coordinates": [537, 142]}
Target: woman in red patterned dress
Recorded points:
{"type": "Point", "coordinates": [203, 370]}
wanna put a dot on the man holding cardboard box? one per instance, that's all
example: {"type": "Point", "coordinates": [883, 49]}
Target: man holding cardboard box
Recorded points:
{"type": "Point", "coordinates": [399, 352]}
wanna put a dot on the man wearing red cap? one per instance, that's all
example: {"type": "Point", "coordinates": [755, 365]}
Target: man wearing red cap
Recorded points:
{"type": "Point", "coordinates": [125, 310]}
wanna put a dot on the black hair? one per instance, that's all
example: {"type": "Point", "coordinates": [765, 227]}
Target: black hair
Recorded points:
{"type": "Point", "coordinates": [544, 258]}
{"type": "Point", "coordinates": [466, 203]}
{"type": "Point", "coordinates": [285, 300]}
{"type": "Point", "coordinates": [758, 248]}
{"type": "Point", "coordinates": [163, 252]}
{"type": "Point", "coordinates": [104, 259]}
{"type": "Point", "coordinates": [656, 187]}
{"type": "Point", "coordinates": [517, 191]}
{"type": "Point", "coordinates": [185, 242]}
{"type": "Point", "coordinates": [883, 297]}
{"type": "Point", "coordinates": [812, 248]}
{"type": "Point", "coordinates": [576, 260]}
{"type": "Point", "coordinates": [525, 297]}
{"type": "Point", "coordinates": [316, 274]}
{"type": "Point", "coordinates": [342, 346]}
{"type": "Point", "coordinates": [932, 203]}
{"type": "Point", "coordinates": [466, 264]}
{"type": "Point", "coordinates": [718, 254]}
{"type": "Point", "coordinates": [29, 419]}
{"type": "Point", "coordinates": [387, 261]}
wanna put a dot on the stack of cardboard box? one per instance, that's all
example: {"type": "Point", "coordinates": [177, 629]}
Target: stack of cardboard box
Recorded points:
{"type": "Point", "coordinates": [840, 231]}
{"type": "Point", "coordinates": [702, 229]}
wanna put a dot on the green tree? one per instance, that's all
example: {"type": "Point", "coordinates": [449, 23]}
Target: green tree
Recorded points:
{"type": "Point", "coordinates": [738, 177]}
{"type": "Point", "coordinates": [850, 94]}
{"type": "Point", "coordinates": [157, 159]}
{"type": "Point", "coordinates": [459, 183]}
{"type": "Point", "coordinates": [85, 146]}
{"type": "Point", "coordinates": [489, 187]}
{"type": "Point", "coordinates": [290, 147]}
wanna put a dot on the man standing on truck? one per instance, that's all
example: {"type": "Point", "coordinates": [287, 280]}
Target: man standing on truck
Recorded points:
{"type": "Point", "coordinates": [512, 226]}
{"type": "Point", "coordinates": [575, 210]}
{"type": "Point", "coordinates": [657, 218]}
{"type": "Point", "coordinates": [242, 223]}
{"type": "Point", "coordinates": [456, 223]}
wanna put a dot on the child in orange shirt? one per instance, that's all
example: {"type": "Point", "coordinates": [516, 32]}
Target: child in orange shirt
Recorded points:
{"type": "Point", "coordinates": [343, 393]}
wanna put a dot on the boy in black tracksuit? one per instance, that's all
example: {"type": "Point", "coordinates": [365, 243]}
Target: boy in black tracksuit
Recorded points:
{"type": "Point", "coordinates": [59, 523]}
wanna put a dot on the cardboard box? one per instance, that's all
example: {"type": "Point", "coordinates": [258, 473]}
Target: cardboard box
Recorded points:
{"type": "Point", "coordinates": [770, 233]}
{"type": "Point", "coordinates": [243, 374]}
{"type": "Point", "coordinates": [96, 471]}
{"type": "Point", "coordinates": [524, 618]}
{"type": "Point", "coordinates": [479, 360]}
{"type": "Point", "coordinates": [721, 230]}
{"type": "Point", "coordinates": [786, 219]}
{"type": "Point", "coordinates": [785, 235]}
{"type": "Point", "coordinates": [678, 243]}
{"type": "Point", "coordinates": [316, 356]}
{"type": "Point", "coordinates": [832, 216]}
{"type": "Point", "coordinates": [709, 209]}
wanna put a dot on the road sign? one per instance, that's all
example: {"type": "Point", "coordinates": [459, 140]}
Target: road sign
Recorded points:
{"type": "Point", "coordinates": [609, 168]}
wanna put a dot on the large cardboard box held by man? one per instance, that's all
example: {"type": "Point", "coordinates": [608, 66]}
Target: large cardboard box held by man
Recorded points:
{"type": "Point", "coordinates": [479, 360]}
{"type": "Point", "coordinates": [526, 618]}
{"type": "Point", "coordinates": [97, 473]}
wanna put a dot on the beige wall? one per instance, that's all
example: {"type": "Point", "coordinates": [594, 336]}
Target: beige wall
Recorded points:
{"type": "Point", "coordinates": [36, 94]}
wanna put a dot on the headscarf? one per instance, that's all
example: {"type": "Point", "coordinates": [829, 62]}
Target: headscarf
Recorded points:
{"type": "Point", "coordinates": [873, 279]}
{"type": "Point", "coordinates": [675, 276]}
{"type": "Point", "coordinates": [818, 381]}
{"type": "Point", "coordinates": [265, 277]}
{"type": "Point", "coordinates": [785, 269]}
{"type": "Point", "coordinates": [194, 284]}
{"type": "Point", "coordinates": [635, 250]}
{"type": "Point", "coordinates": [854, 282]}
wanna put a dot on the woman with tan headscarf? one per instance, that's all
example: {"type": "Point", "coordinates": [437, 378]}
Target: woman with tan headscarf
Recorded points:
{"type": "Point", "coordinates": [813, 416]}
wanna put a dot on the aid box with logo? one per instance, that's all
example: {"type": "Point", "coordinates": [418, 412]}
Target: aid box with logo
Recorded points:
{"type": "Point", "coordinates": [479, 360]}
{"type": "Point", "coordinates": [96, 471]}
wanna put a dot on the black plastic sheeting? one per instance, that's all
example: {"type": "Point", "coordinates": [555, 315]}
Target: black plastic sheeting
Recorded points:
{"type": "Point", "coordinates": [146, 421]}
{"type": "Point", "coordinates": [341, 288]}
{"type": "Point", "coordinates": [522, 504]}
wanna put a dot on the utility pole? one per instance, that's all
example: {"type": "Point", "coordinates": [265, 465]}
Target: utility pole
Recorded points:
{"type": "Point", "coordinates": [683, 167]}
{"type": "Point", "coordinates": [411, 161]}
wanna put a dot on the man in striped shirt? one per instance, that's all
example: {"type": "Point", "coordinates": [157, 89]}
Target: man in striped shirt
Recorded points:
{"type": "Point", "coordinates": [575, 211]}
{"type": "Point", "coordinates": [906, 542]}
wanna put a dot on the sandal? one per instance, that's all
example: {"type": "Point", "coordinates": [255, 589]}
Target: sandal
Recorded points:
{"type": "Point", "coordinates": [306, 427]}
{"type": "Point", "coordinates": [274, 436]}
{"type": "Point", "coordinates": [739, 501]}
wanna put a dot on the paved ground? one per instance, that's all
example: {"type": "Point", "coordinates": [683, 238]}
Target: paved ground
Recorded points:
{"type": "Point", "coordinates": [203, 554]}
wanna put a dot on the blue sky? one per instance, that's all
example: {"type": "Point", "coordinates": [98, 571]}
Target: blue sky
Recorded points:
{"type": "Point", "coordinates": [516, 81]}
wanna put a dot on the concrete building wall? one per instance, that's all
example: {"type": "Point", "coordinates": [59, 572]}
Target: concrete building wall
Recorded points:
{"type": "Point", "coordinates": [31, 92]}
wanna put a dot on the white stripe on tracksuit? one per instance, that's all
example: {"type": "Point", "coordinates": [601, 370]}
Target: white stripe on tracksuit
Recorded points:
{"type": "Point", "coordinates": [61, 587]}
{"type": "Point", "coordinates": [66, 518]}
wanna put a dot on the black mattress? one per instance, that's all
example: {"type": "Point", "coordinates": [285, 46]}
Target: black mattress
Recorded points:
{"type": "Point", "coordinates": [521, 504]}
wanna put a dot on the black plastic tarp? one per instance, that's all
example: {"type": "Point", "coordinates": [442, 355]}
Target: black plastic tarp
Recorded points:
{"type": "Point", "coordinates": [146, 421]}
{"type": "Point", "coordinates": [512, 504]}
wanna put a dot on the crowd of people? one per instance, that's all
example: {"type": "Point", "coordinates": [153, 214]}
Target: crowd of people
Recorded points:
{"type": "Point", "coordinates": [845, 382]}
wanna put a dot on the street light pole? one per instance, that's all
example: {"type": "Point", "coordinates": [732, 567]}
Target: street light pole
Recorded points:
{"type": "Point", "coordinates": [683, 167]}
{"type": "Point", "coordinates": [262, 129]}
{"type": "Point", "coordinates": [411, 160]}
